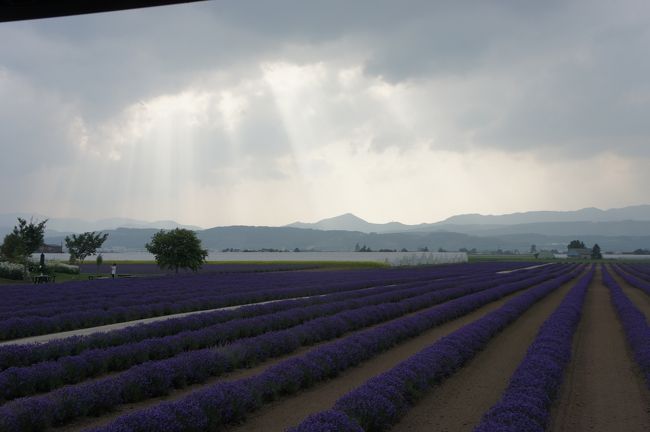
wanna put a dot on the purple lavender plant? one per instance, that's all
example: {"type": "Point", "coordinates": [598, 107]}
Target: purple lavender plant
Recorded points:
{"type": "Point", "coordinates": [634, 323]}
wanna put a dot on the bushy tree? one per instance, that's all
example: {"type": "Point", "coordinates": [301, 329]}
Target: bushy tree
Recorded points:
{"type": "Point", "coordinates": [595, 252]}
{"type": "Point", "coordinates": [23, 241]}
{"type": "Point", "coordinates": [83, 245]}
{"type": "Point", "coordinates": [577, 244]}
{"type": "Point", "coordinates": [178, 248]}
{"type": "Point", "coordinates": [11, 249]}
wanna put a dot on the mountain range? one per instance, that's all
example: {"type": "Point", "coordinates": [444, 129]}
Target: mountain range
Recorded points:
{"type": "Point", "coordinates": [621, 229]}
{"type": "Point", "coordinates": [527, 221]}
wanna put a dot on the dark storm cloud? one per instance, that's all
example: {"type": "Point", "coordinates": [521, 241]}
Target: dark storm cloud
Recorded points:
{"type": "Point", "coordinates": [574, 74]}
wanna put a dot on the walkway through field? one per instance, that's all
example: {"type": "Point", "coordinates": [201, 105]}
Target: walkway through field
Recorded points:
{"type": "Point", "coordinates": [603, 389]}
{"type": "Point", "coordinates": [121, 325]}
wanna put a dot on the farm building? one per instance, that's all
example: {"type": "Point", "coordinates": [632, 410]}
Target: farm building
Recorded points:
{"type": "Point", "coordinates": [581, 253]}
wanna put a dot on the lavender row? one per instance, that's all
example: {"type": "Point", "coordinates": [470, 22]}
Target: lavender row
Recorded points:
{"type": "Point", "coordinates": [160, 290]}
{"type": "Point", "coordinates": [152, 268]}
{"type": "Point", "coordinates": [526, 403]}
{"type": "Point", "coordinates": [158, 378]}
{"type": "Point", "coordinates": [229, 402]}
{"type": "Point", "coordinates": [17, 298]}
{"type": "Point", "coordinates": [76, 296]}
{"type": "Point", "coordinates": [25, 355]}
{"type": "Point", "coordinates": [29, 326]}
{"type": "Point", "coordinates": [135, 291]}
{"type": "Point", "coordinates": [45, 376]}
{"type": "Point", "coordinates": [640, 270]}
{"type": "Point", "coordinates": [385, 398]}
{"type": "Point", "coordinates": [234, 267]}
{"type": "Point", "coordinates": [111, 293]}
{"type": "Point", "coordinates": [634, 323]}
{"type": "Point", "coordinates": [632, 280]}
{"type": "Point", "coordinates": [290, 375]}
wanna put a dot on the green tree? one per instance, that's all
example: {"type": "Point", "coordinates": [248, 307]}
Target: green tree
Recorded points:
{"type": "Point", "coordinates": [83, 245]}
{"type": "Point", "coordinates": [23, 241]}
{"type": "Point", "coordinates": [576, 244]}
{"type": "Point", "coordinates": [178, 248]}
{"type": "Point", "coordinates": [533, 249]}
{"type": "Point", "coordinates": [595, 252]}
{"type": "Point", "coordinates": [11, 249]}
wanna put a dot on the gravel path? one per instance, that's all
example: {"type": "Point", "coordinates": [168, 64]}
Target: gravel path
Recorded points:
{"type": "Point", "coordinates": [121, 325]}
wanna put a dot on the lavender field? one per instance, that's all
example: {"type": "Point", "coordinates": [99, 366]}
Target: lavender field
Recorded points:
{"type": "Point", "coordinates": [352, 350]}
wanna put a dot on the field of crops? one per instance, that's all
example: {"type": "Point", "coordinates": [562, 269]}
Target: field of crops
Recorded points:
{"type": "Point", "coordinates": [484, 346]}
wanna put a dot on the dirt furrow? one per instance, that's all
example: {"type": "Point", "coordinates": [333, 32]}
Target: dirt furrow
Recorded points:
{"type": "Point", "coordinates": [603, 389]}
{"type": "Point", "coordinates": [291, 411]}
{"type": "Point", "coordinates": [83, 423]}
{"type": "Point", "coordinates": [460, 401]}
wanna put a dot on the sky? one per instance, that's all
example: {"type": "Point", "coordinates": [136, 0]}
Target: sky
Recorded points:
{"type": "Point", "coordinates": [265, 113]}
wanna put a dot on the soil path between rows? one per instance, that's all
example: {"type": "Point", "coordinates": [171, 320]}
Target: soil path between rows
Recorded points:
{"type": "Point", "coordinates": [290, 411]}
{"type": "Point", "coordinates": [446, 328]}
{"type": "Point", "coordinates": [458, 403]}
{"type": "Point", "coordinates": [603, 389]}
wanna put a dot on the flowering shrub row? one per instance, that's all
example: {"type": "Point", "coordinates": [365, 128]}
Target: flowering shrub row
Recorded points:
{"type": "Point", "coordinates": [104, 294]}
{"type": "Point", "coordinates": [641, 284]}
{"type": "Point", "coordinates": [11, 271]}
{"type": "Point", "coordinates": [525, 405]}
{"type": "Point", "coordinates": [233, 267]}
{"type": "Point", "coordinates": [45, 376]}
{"type": "Point", "coordinates": [384, 399]}
{"type": "Point", "coordinates": [126, 292]}
{"type": "Point", "coordinates": [15, 297]}
{"type": "Point", "coordinates": [59, 267]}
{"type": "Point", "coordinates": [639, 270]}
{"type": "Point", "coordinates": [141, 302]}
{"type": "Point", "coordinates": [634, 323]}
{"type": "Point", "coordinates": [157, 378]}
{"type": "Point", "coordinates": [25, 355]}
{"type": "Point", "coordinates": [140, 293]}
{"type": "Point", "coordinates": [226, 402]}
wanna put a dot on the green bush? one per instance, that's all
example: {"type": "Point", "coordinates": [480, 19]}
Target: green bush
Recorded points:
{"type": "Point", "coordinates": [11, 271]}
{"type": "Point", "coordinates": [59, 267]}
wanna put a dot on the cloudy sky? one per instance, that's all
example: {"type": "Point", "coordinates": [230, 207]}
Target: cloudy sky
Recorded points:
{"type": "Point", "coordinates": [264, 113]}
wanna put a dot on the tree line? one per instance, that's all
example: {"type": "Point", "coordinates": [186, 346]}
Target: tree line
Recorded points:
{"type": "Point", "coordinates": [173, 250]}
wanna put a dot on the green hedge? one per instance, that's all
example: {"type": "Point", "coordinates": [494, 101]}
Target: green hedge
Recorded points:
{"type": "Point", "coordinates": [59, 267]}
{"type": "Point", "coordinates": [11, 271]}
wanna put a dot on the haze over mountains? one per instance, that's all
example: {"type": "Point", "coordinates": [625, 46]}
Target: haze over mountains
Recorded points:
{"type": "Point", "coordinates": [76, 225]}
{"type": "Point", "coordinates": [621, 229]}
{"type": "Point", "coordinates": [537, 221]}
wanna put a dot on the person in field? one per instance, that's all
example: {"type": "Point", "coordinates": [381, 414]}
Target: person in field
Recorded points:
{"type": "Point", "coordinates": [113, 270]}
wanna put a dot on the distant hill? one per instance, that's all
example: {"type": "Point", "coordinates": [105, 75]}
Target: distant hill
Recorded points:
{"type": "Point", "coordinates": [591, 214]}
{"type": "Point", "coordinates": [634, 220]}
{"type": "Point", "coordinates": [74, 225]}
{"type": "Point", "coordinates": [350, 222]}
{"type": "Point", "coordinates": [247, 237]}
{"type": "Point", "coordinates": [547, 230]}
